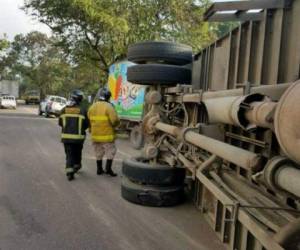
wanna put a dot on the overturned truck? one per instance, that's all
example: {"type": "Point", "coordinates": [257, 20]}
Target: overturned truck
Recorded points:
{"type": "Point", "coordinates": [229, 119]}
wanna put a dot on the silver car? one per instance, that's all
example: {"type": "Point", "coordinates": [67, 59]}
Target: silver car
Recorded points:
{"type": "Point", "coordinates": [52, 105]}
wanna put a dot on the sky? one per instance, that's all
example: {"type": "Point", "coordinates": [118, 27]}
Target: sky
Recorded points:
{"type": "Point", "coordinates": [14, 21]}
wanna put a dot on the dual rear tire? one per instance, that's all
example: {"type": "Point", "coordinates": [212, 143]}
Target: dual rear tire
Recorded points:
{"type": "Point", "coordinates": [159, 63]}
{"type": "Point", "coordinates": [153, 196]}
{"type": "Point", "coordinates": [155, 74]}
{"type": "Point", "coordinates": [159, 51]}
{"type": "Point", "coordinates": [152, 185]}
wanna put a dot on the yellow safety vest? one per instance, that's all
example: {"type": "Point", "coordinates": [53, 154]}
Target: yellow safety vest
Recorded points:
{"type": "Point", "coordinates": [73, 124]}
{"type": "Point", "coordinates": [103, 118]}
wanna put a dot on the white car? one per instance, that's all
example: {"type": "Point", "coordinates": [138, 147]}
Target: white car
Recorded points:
{"type": "Point", "coordinates": [8, 102]}
{"type": "Point", "coordinates": [52, 105]}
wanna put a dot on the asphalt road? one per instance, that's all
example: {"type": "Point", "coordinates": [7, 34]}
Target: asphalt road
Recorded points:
{"type": "Point", "coordinates": [40, 209]}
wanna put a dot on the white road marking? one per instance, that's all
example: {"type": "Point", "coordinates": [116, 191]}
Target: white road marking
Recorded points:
{"type": "Point", "coordinates": [54, 186]}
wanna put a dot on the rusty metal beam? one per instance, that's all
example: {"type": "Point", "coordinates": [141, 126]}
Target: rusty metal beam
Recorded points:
{"type": "Point", "coordinates": [273, 91]}
{"type": "Point", "coordinates": [241, 17]}
{"type": "Point", "coordinates": [246, 5]}
{"type": "Point", "coordinates": [238, 156]}
{"type": "Point", "coordinates": [245, 218]}
{"type": "Point", "coordinates": [289, 235]}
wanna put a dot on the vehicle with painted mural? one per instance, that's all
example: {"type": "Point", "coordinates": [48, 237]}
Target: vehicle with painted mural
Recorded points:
{"type": "Point", "coordinates": [227, 118]}
{"type": "Point", "coordinates": [128, 100]}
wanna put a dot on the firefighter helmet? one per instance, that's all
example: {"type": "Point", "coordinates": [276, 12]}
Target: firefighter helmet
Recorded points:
{"type": "Point", "coordinates": [104, 94]}
{"type": "Point", "coordinates": [76, 96]}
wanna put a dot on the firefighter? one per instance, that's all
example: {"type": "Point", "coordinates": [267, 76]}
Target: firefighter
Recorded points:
{"type": "Point", "coordinates": [73, 121]}
{"type": "Point", "coordinates": [103, 119]}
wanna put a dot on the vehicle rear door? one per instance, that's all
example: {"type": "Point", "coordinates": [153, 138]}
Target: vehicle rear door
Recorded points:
{"type": "Point", "coordinates": [59, 103]}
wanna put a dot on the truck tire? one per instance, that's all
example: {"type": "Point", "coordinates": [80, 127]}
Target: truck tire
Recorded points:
{"type": "Point", "coordinates": [159, 175]}
{"type": "Point", "coordinates": [156, 74]}
{"type": "Point", "coordinates": [136, 137]}
{"type": "Point", "coordinates": [150, 195]}
{"type": "Point", "coordinates": [169, 52]}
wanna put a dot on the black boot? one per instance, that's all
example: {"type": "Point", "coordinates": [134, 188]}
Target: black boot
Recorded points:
{"type": "Point", "coordinates": [108, 169]}
{"type": "Point", "coordinates": [70, 176]}
{"type": "Point", "coordinates": [99, 168]}
{"type": "Point", "coordinates": [77, 168]}
{"type": "Point", "coordinates": [70, 173]}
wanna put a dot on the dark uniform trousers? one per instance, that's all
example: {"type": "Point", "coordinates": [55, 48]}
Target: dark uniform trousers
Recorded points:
{"type": "Point", "coordinates": [73, 155]}
{"type": "Point", "coordinates": [74, 122]}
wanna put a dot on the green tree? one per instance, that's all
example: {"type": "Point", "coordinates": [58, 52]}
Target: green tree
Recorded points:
{"type": "Point", "coordinates": [34, 59]}
{"type": "Point", "coordinates": [4, 44]}
{"type": "Point", "coordinates": [43, 65]}
{"type": "Point", "coordinates": [25, 56]}
{"type": "Point", "coordinates": [102, 30]}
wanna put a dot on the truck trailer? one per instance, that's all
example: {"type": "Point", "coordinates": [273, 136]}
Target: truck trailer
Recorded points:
{"type": "Point", "coordinates": [128, 100]}
{"type": "Point", "coordinates": [10, 88]}
{"type": "Point", "coordinates": [225, 123]}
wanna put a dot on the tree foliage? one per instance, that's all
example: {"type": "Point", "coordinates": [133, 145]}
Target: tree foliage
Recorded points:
{"type": "Point", "coordinates": [40, 64]}
{"type": "Point", "coordinates": [90, 35]}
{"type": "Point", "coordinates": [4, 44]}
{"type": "Point", "coordinates": [102, 30]}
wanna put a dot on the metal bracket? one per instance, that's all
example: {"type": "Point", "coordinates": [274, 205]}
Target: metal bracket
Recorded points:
{"type": "Point", "coordinates": [235, 210]}
{"type": "Point", "coordinates": [247, 88]}
{"type": "Point", "coordinates": [238, 10]}
{"type": "Point", "coordinates": [236, 206]}
{"type": "Point", "coordinates": [271, 208]}
{"type": "Point", "coordinates": [182, 136]}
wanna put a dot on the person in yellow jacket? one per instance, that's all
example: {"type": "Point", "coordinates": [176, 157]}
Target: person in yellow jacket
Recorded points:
{"type": "Point", "coordinates": [103, 120]}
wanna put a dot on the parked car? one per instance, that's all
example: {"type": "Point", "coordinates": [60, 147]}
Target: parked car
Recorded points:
{"type": "Point", "coordinates": [52, 105]}
{"type": "Point", "coordinates": [32, 96]}
{"type": "Point", "coordinates": [8, 102]}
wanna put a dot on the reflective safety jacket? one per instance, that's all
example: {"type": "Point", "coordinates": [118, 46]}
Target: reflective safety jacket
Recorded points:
{"type": "Point", "coordinates": [103, 119]}
{"type": "Point", "coordinates": [73, 121]}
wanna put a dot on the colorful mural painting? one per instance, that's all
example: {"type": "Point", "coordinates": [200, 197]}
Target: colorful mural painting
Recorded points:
{"type": "Point", "coordinates": [127, 98]}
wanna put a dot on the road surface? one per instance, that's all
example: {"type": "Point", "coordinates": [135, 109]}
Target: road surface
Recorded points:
{"type": "Point", "coordinates": [40, 209]}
